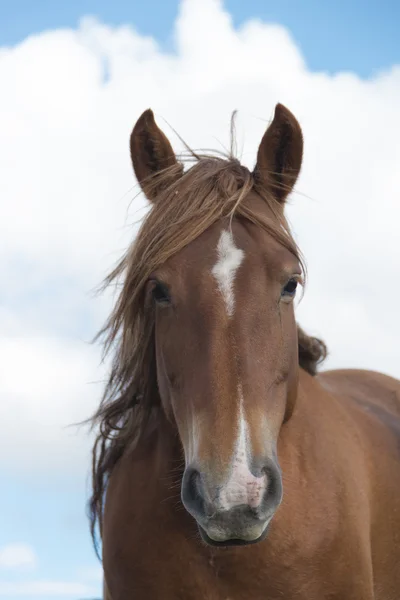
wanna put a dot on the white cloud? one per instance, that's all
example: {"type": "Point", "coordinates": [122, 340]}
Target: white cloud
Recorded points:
{"type": "Point", "coordinates": [91, 574]}
{"type": "Point", "coordinates": [69, 99]}
{"type": "Point", "coordinates": [44, 588]}
{"type": "Point", "coordinates": [48, 385]}
{"type": "Point", "coordinates": [20, 557]}
{"type": "Point", "coordinates": [17, 556]}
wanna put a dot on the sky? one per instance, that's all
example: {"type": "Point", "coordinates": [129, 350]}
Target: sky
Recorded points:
{"type": "Point", "coordinates": [74, 78]}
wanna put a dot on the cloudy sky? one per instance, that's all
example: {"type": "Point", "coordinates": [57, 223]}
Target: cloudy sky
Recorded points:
{"type": "Point", "coordinates": [74, 78]}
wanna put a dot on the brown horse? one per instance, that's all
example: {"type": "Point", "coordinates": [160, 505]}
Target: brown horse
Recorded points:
{"type": "Point", "coordinates": [225, 467]}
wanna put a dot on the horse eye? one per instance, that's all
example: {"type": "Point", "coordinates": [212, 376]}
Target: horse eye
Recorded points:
{"type": "Point", "coordinates": [160, 293]}
{"type": "Point", "coordinates": [289, 291]}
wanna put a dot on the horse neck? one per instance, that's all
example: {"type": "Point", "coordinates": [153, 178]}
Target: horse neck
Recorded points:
{"type": "Point", "coordinates": [311, 414]}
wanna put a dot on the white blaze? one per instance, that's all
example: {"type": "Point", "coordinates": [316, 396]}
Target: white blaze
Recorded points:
{"type": "Point", "coordinates": [229, 260]}
{"type": "Point", "coordinates": [242, 487]}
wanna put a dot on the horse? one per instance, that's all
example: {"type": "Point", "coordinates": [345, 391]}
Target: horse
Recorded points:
{"type": "Point", "coordinates": [227, 465]}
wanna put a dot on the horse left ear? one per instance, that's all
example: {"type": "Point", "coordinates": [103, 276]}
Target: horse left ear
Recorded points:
{"type": "Point", "coordinates": [280, 154]}
{"type": "Point", "coordinates": [152, 155]}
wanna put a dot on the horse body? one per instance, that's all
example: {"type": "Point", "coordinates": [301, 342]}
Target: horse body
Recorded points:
{"type": "Point", "coordinates": [231, 470]}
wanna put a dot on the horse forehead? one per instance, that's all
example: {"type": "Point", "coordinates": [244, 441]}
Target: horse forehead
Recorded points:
{"type": "Point", "coordinates": [217, 259]}
{"type": "Point", "coordinates": [223, 246]}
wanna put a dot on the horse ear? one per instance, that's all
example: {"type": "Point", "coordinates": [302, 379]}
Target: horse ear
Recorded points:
{"type": "Point", "coordinates": [280, 154]}
{"type": "Point", "coordinates": [152, 155]}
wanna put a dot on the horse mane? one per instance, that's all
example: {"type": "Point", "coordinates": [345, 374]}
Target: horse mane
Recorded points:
{"type": "Point", "coordinates": [312, 351]}
{"type": "Point", "coordinates": [216, 186]}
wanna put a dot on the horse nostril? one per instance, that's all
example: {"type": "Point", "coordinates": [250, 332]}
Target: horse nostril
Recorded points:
{"type": "Point", "coordinates": [192, 496]}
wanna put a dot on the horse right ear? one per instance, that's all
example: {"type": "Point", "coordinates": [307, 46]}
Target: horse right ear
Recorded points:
{"type": "Point", "coordinates": [280, 154]}
{"type": "Point", "coordinates": [153, 159]}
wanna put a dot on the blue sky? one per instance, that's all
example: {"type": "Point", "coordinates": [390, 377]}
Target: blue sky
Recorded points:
{"type": "Point", "coordinates": [358, 36]}
{"type": "Point", "coordinates": [45, 508]}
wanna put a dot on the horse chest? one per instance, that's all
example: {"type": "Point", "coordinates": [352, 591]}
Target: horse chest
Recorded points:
{"type": "Point", "coordinates": [192, 572]}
